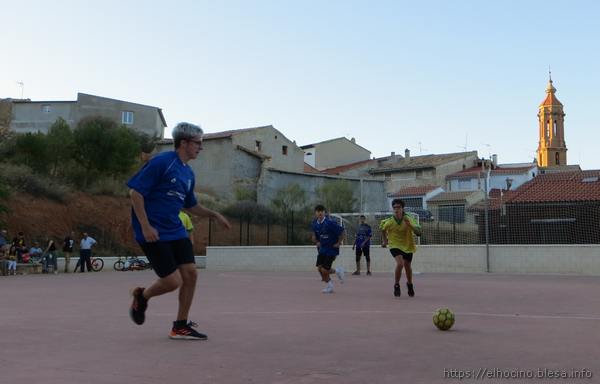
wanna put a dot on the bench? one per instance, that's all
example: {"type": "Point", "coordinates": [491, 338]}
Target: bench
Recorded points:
{"type": "Point", "coordinates": [25, 269]}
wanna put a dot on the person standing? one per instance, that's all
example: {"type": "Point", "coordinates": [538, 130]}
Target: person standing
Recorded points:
{"type": "Point", "coordinates": [158, 191]}
{"type": "Point", "coordinates": [363, 245]}
{"type": "Point", "coordinates": [49, 256]}
{"type": "Point", "coordinates": [85, 252]}
{"type": "Point", "coordinates": [67, 249]}
{"type": "Point", "coordinates": [327, 236]}
{"type": "Point", "coordinates": [397, 231]}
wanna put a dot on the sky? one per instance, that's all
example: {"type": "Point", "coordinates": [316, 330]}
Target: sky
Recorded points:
{"type": "Point", "coordinates": [430, 76]}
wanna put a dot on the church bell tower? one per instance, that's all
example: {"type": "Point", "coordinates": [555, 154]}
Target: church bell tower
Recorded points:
{"type": "Point", "coordinates": [552, 150]}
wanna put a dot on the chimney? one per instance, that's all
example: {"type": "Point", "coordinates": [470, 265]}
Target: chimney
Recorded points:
{"type": "Point", "coordinates": [495, 160]}
{"type": "Point", "coordinates": [353, 140]}
{"type": "Point", "coordinates": [393, 157]}
{"type": "Point", "coordinates": [407, 153]}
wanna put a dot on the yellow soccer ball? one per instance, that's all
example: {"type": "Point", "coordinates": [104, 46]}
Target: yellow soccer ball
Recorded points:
{"type": "Point", "coordinates": [443, 318]}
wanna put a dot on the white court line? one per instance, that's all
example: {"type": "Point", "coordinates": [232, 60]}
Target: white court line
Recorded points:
{"type": "Point", "coordinates": [366, 312]}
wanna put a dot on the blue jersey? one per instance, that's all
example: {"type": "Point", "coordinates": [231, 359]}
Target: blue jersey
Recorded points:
{"type": "Point", "coordinates": [364, 233]}
{"type": "Point", "coordinates": [328, 233]}
{"type": "Point", "coordinates": [167, 185]}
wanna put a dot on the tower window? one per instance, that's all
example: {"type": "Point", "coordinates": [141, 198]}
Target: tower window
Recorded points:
{"type": "Point", "coordinates": [547, 131]}
{"type": "Point", "coordinates": [557, 158]}
{"type": "Point", "coordinates": [284, 149]}
{"type": "Point", "coordinates": [554, 128]}
{"type": "Point", "coordinates": [258, 146]}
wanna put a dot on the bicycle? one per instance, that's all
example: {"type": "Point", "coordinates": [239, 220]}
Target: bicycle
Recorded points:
{"type": "Point", "coordinates": [97, 264]}
{"type": "Point", "coordinates": [131, 263]}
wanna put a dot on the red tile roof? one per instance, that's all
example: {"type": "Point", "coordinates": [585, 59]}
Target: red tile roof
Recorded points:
{"type": "Point", "coordinates": [499, 170]}
{"type": "Point", "coordinates": [550, 100]}
{"type": "Point", "coordinates": [347, 167]}
{"type": "Point", "coordinates": [310, 169]}
{"type": "Point", "coordinates": [560, 187]}
{"type": "Point", "coordinates": [451, 196]}
{"type": "Point", "coordinates": [414, 191]}
{"type": "Point", "coordinates": [225, 134]}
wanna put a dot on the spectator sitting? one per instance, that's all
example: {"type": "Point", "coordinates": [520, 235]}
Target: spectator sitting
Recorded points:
{"type": "Point", "coordinates": [12, 261]}
{"type": "Point", "coordinates": [36, 252]}
{"type": "Point", "coordinates": [4, 245]}
{"type": "Point", "coordinates": [19, 244]}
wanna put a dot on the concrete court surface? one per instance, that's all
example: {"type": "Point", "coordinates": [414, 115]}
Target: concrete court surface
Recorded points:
{"type": "Point", "coordinates": [279, 328]}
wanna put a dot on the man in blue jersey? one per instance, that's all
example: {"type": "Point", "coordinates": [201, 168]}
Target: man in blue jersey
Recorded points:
{"type": "Point", "coordinates": [159, 190]}
{"type": "Point", "coordinates": [327, 235]}
{"type": "Point", "coordinates": [362, 244]}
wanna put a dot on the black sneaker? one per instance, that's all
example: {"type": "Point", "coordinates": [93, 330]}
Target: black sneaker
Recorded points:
{"type": "Point", "coordinates": [411, 291]}
{"type": "Point", "coordinates": [368, 273]}
{"type": "Point", "coordinates": [356, 273]}
{"type": "Point", "coordinates": [397, 290]}
{"type": "Point", "coordinates": [186, 332]}
{"type": "Point", "coordinates": [137, 311]}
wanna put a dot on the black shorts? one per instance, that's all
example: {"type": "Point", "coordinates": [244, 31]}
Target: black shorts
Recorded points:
{"type": "Point", "coordinates": [166, 256]}
{"type": "Point", "coordinates": [363, 251]}
{"type": "Point", "coordinates": [405, 256]}
{"type": "Point", "coordinates": [325, 261]}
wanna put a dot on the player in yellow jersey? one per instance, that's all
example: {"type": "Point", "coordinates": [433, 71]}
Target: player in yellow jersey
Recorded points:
{"type": "Point", "coordinates": [398, 232]}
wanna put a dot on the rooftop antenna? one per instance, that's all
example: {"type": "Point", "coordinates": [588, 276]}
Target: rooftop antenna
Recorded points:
{"type": "Point", "coordinates": [22, 85]}
{"type": "Point", "coordinates": [464, 148]}
{"type": "Point", "coordinates": [549, 73]}
{"type": "Point", "coordinates": [421, 149]}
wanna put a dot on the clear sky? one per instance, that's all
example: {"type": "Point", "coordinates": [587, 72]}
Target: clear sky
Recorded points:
{"type": "Point", "coordinates": [431, 76]}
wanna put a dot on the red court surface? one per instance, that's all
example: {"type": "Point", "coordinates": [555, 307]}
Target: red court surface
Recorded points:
{"type": "Point", "coordinates": [280, 328]}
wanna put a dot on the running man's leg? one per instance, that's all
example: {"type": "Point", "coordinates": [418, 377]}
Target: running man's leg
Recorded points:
{"type": "Point", "coordinates": [189, 276]}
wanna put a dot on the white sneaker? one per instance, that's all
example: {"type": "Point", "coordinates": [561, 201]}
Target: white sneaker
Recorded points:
{"type": "Point", "coordinates": [328, 288]}
{"type": "Point", "coordinates": [339, 271]}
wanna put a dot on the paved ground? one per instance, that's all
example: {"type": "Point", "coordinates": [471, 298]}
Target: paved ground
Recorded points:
{"type": "Point", "coordinates": [279, 328]}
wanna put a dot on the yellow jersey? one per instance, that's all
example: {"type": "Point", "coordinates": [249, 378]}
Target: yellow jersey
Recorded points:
{"type": "Point", "coordinates": [399, 234]}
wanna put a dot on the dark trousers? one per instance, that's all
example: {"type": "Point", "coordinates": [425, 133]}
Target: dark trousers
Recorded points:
{"type": "Point", "coordinates": [85, 258]}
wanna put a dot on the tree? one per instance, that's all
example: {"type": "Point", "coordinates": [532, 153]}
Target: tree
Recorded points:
{"type": "Point", "coordinates": [104, 148]}
{"type": "Point", "coordinates": [60, 144]}
{"type": "Point", "coordinates": [289, 199]}
{"type": "Point", "coordinates": [32, 151]}
{"type": "Point", "coordinates": [337, 196]}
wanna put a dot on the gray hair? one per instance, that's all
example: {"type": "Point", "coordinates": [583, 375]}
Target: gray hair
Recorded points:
{"type": "Point", "coordinates": [185, 131]}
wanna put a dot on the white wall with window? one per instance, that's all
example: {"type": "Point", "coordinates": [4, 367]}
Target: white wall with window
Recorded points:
{"type": "Point", "coordinates": [127, 117]}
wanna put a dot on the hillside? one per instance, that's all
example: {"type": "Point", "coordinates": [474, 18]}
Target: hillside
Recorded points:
{"type": "Point", "coordinates": [106, 218]}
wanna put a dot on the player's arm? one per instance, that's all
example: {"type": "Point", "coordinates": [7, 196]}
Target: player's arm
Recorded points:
{"type": "Point", "coordinates": [384, 238]}
{"type": "Point", "coordinates": [416, 228]}
{"type": "Point", "coordinates": [137, 201]}
{"type": "Point", "coordinates": [200, 210]}
{"type": "Point", "coordinates": [341, 238]}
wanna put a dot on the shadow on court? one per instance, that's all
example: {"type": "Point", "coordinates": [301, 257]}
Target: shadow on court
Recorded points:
{"type": "Point", "coordinates": [280, 328]}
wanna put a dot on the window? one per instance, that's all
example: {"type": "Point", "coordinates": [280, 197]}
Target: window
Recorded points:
{"type": "Point", "coordinates": [554, 127]}
{"type": "Point", "coordinates": [46, 108]}
{"type": "Point", "coordinates": [258, 146]}
{"type": "Point", "coordinates": [284, 150]}
{"type": "Point", "coordinates": [464, 184]}
{"type": "Point", "coordinates": [127, 117]}
{"type": "Point", "coordinates": [557, 158]}
{"type": "Point", "coordinates": [387, 176]}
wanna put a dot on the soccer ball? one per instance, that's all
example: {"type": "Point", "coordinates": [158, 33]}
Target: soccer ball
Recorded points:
{"type": "Point", "coordinates": [443, 318]}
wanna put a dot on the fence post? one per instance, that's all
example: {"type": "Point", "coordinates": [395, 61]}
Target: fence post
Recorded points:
{"type": "Point", "coordinates": [487, 229]}
{"type": "Point", "coordinates": [209, 231]}
{"type": "Point", "coordinates": [248, 231]}
{"type": "Point", "coordinates": [241, 224]}
{"type": "Point", "coordinates": [268, 230]}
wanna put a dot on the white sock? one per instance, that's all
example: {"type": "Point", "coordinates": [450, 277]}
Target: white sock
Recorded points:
{"type": "Point", "coordinates": [330, 283]}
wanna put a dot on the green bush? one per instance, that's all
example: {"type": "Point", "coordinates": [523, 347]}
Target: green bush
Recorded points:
{"type": "Point", "coordinates": [108, 186]}
{"type": "Point", "coordinates": [22, 178]}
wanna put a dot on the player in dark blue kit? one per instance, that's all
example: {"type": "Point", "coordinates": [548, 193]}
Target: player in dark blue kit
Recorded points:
{"type": "Point", "coordinates": [362, 244]}
{"type": "Point", "coordinates": [327, 235]}
{"type": "Point", "coordinates": [158, 191]}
